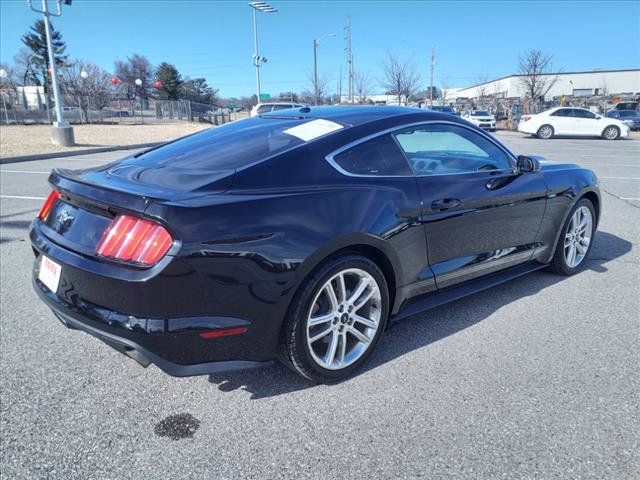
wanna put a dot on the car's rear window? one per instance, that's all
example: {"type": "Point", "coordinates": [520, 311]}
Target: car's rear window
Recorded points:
{"type": "Point", "coordinates": [480, 113]}
{"type": "Point", "coordinates": [227, 147]}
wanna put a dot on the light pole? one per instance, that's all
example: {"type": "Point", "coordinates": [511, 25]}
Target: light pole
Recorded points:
{"type": "Point", "coordinates": [138, 83]}
{"type": "Point", "coordinates": [316, 44]}
{"type": "Point", "coordinates": [62, 132]}
{"type": "Point", "coordinates": [263, 7]}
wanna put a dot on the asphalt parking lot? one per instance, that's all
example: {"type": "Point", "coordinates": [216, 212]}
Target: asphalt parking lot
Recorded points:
{"type": "Point", "coordinates": [538, 378]}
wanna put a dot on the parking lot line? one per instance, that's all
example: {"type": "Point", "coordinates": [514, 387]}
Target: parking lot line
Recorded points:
{"type": "Point", "coordinates": [24, 171]}
{"type": "Point", "coordinates": [22, 197]}
{"type": "Point", "coordinates": [620, 178]}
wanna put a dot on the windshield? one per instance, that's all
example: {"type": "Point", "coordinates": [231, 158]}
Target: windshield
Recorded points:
{"type": "Point", "coordinates": [231, 146]}
{"type": "Point", "coordinates": [480, 113]}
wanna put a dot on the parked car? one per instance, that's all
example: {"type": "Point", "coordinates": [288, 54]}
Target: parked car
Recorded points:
{"type": "Point", "coordinates": [443, 109]}
{"type": "Point", "coordinates": [572, 122]}
{"type": "Point", "coordinates": [629, 117]}
{"type": "Point", "coordinates": [626, 106]}
{"type": "Point", "coordinates": [481, 118]}
{"type": "Point", "coordinates": [261, 108]}
{"type": "Point", "coordinates": [299, 236]}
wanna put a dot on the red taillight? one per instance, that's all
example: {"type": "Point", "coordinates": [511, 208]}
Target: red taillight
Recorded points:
{"type": "Point", "coordinates": [134, 240]}
{"type": "Point", "coordinates": [223, 333]}
{"type": "Point", "coordinates": [48, 205]}
{"type": "Point", "coordinates": [526, 118]}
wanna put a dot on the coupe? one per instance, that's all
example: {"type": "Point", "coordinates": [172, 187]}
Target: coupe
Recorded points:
{"type": "Point", "coordinates": [299, 235]}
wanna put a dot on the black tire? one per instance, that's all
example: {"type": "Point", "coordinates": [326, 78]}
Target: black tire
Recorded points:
{"type": "Point", "coordinates": [611, 132]}
{"type": "Point", "coordinates": [559, 263]}
{"type": "Point", "coordinates": [294, 351]}
{"type": "Point", "coordinates": [545, 132]}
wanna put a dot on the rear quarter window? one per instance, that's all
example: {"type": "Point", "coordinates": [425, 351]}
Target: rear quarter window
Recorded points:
{"type": "Point", "coordinates": [379, 156]}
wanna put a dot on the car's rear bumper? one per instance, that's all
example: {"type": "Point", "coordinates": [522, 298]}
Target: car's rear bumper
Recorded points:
{"type": "Point", "coordinates": [131, 339]}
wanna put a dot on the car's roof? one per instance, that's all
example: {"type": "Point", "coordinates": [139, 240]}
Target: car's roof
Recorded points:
{"type": "Point", "coordinates": [356, 114]}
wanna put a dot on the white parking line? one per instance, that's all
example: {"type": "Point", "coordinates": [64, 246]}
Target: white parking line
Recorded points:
{"type": "Point", "coordinates": [21, 197]}
{"type": "Point", "coordinates": [620, 178]}
{"type": "Point", "coordinates": [24, 171]}
{"type": "Point", "coordinates": [629, 198]}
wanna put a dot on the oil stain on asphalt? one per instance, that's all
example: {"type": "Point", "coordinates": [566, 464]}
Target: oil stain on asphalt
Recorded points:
{"type": "Point", "coordinates": [176, 427]}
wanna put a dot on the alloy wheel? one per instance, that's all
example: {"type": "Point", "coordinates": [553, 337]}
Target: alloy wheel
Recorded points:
{"type": "Point", "coordinates": [545, 132]}
{"type": "Point", "coordinates": [344, 319]}
{"type": "Point", "coordinates": [610, 133]}
{"type": "Point", "coordinates": [578, 237]}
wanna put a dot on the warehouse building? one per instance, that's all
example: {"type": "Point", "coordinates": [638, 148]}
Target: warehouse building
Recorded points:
{"type": "Point", "coordinates": [574, 84]}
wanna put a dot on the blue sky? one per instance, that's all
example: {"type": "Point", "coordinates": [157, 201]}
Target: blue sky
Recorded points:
{"type": "Point", "coordinates": [215, 39]}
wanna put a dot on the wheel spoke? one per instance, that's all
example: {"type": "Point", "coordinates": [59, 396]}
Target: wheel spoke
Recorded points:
{"type": "Point", "coordinates": [359, 335]}
{"type": "Point", "coordinates": [320, 319]}
{"type": "Point", "coordinates": [581, 249]}
{"type": "Point", "coordinates": [567, 241]}
{"type": "Point", "coordinates": [342, 289]}
{"type": "Point", "coordinates": [331, 351]}
{"type": "Point", "coordinates": [332, 296]}
{"type": "Point", "coordinates": [365, 321]}
{"type": "Point", "coordinates": [320, 335]}
{"type": "Point", "coordinates": [571, 257]}
{"type": "Point", "coordinates": [342, 350]}
{"type": "Point", "coordinates": [362, 285]}
{"type": "Point", "coordinates": [362, 300]}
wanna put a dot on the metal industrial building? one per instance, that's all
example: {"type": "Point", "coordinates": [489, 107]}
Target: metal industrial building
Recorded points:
{"type": "Point", "coordinates": [574, 84]}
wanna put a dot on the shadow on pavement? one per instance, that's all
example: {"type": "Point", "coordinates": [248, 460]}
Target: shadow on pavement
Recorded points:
{"type": "Point", "coordinates": [423, 329]}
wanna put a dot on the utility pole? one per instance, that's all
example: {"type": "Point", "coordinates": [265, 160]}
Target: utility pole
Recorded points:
{"type": "Point", "coordinates": [433, 64]}
{"type": "Point", "coordinates": [62, 132]}
{"type": "Point", "coordinates": [340, 86]}
{"type": "Point", "coordinates": [349, 58]}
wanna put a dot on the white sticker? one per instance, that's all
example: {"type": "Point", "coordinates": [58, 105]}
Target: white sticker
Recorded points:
{"type": "Point", "coordinates": [49, 273]}
{"type": "Point", "coordinates": [313, 129]}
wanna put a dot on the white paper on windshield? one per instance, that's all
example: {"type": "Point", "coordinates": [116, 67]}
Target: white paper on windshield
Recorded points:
{"type": "Point", "coordinates": [313, 129]}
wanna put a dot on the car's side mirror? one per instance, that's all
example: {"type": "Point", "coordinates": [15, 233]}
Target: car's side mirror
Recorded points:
{"type": "Point", "coordinates": [527, 164]}
{"type": "Point", "coordinates": [598, 117]}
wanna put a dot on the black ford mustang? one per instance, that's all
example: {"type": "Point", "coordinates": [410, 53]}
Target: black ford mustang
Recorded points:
{"type": "Point", "coordinates": [299, 235]}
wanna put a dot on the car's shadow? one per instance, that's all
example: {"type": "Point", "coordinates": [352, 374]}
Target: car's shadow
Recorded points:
{"type": "Point", "coordinates": [426, 328]}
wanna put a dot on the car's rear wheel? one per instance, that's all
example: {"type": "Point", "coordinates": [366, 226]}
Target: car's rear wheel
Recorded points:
{"type": "Point", "coordinates": [545, 132]}
{"type": "Point", "coordinates": [576, 239]}
{"type": "Point", "coordinates": [611, 132]}
{"type": "Point", "coordinates": [336, 319]}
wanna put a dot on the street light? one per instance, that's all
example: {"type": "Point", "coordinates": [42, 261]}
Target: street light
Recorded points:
{"type": "Point", "coordinates": [263, 7]}
{"type": "Point", "coordinates": [3, 75]}
{"type": "Point", "coordinates": [316, 44]}
{"type": "Point", "coordinates": [62, 132]}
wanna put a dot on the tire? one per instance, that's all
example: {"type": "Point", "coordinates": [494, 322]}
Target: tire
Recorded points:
{"type": "Point", "coordinates": [312, 358]}
{"type": "Point", "coordinates": [611, 133]}
{"type": "Point", "coordinates": [561, 262]}
{"type": "Point", "coordinates": [545, 132]}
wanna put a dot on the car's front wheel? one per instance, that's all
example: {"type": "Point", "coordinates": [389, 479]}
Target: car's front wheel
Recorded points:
{"type": "Point", "coordinates": [336, 319]}
{"type": "Point", "coordinates": [545, 132]}
{"type": "Point", "coordinates": [576, 239]}
{"type": "Point", "coordinates": [611, 132]}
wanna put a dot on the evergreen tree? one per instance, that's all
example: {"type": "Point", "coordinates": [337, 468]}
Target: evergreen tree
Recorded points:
{"type": "Point", "coordinates": [171, 81]}
{"type": "Point", "coordinates": [36, 41]}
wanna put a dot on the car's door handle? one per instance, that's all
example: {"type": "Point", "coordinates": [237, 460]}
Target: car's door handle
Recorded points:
{"type": "Point", "coordinates": [445, 203]}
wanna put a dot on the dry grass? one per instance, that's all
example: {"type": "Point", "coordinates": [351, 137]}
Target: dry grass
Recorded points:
{"type": "Point", "coordinates": [34, 139]}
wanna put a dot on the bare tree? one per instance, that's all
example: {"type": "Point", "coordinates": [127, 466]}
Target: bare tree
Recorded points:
{"type": "Point", "coordinates": [482, 89]}
{"type": "Point", "coordinates": [400, 77]}
{"type": "Point", "coordinates": [363, 85]}
{"type": "Point", "coordinates": [88, 85]}
{"type": "Point", "coordinates": [534, 67]}
{"type": "Point", "coordinates": [321, 87]}
{"type": "Point", "coordinates": [445, 90]}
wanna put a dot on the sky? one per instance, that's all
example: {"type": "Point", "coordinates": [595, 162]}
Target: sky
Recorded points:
{"type": "Point", "coordinates": [214, 39]}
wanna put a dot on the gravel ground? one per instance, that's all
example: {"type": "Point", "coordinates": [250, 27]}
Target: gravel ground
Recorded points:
{"type": "Point", "coordinates": [535, 379]}
{"type": "Point", "coordinates": [33, 139]}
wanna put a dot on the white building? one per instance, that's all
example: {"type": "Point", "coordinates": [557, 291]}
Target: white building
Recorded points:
{"type": "Point", "coordinates": [596, 82]}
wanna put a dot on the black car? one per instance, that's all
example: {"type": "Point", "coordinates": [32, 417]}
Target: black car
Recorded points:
{"type": "Point", "coordinates": [299, 235]}
{"type": "Point", "coordinates": [630, 117]}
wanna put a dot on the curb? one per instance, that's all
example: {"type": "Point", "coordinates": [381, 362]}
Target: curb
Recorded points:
{"type": "Point", "coordinates": [86, 151]}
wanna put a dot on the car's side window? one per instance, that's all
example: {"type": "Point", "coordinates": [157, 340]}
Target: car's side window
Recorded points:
{"type": "Point", "coordinates": [580, 113]}
{"type": "Point", "coordinates": [378, 156]}
{"type": "Point", "coordinates": [563, 112]}
{"type": "Point", "coordinates": [281, 107]}
{"type": "Point", "coordinates": [264, 109]}
{"type": "Point", "coordinates": [444, 148]}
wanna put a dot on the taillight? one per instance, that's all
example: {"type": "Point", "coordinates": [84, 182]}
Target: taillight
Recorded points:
{"type": "Point", "coordinates": [526, 118]}
{"type": "Point", "coordinates": [48, 205]}
{"type": "Point", "coordinates": [134, 240]}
